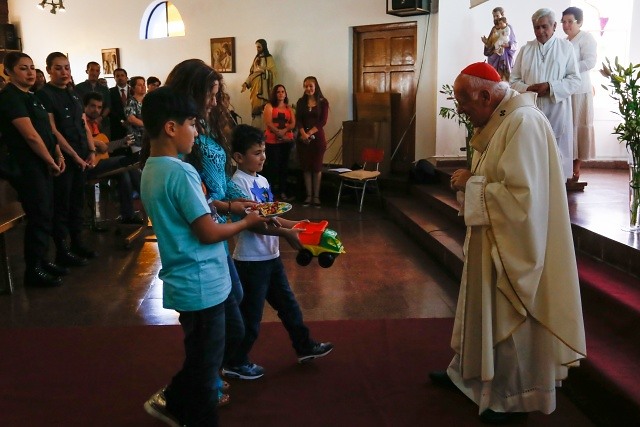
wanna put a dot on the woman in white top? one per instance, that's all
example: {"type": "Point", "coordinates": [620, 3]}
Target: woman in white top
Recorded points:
{"type": "Point", "coordinates": [585, 47]}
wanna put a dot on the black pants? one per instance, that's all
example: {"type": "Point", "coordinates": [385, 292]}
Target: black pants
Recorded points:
{"type": "Point", "coordinates": [68, 202]}
{"type": "Point", "coordinates": [35, 189]}
{"type": "Point", "coordinates": [276, 166]}
{"type": "Point", "coordinates": [267, 281]}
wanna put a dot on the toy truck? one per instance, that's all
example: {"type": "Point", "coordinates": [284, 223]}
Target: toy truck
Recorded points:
{"type": "Point", "coordinates": [319, 241]}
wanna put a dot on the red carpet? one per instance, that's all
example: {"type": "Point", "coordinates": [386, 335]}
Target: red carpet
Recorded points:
{"type": "Point", "coordinates": [609, 381]}
{"type": "Point", "coordinates": [376, 376]}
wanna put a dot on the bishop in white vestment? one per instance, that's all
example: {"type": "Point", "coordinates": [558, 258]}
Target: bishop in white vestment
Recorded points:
{"type": "Point", "coordinates": [518, 325]}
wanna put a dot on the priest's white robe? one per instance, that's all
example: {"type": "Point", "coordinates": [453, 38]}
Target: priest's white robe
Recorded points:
{"type": "Point", "coordinates": [555, 63]}
{"type": "Point", "coordinates": [518, 324]}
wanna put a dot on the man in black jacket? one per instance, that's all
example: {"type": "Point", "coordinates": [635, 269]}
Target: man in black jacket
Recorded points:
{"type": "Point", "coordinates": [119, 96]}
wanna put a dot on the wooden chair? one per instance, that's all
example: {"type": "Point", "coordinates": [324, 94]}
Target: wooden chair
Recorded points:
{"type": "Point", "coordinates": [368, 175]}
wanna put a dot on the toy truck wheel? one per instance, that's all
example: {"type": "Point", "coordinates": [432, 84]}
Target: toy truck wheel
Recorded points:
{"type": "Point", "coordinates": [304, 257]}
{"type": "Point", "coordinates": [326, 259]}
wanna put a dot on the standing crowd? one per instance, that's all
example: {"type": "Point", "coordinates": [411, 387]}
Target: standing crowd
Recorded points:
{"type": "Point", "coordinates": [184, 136]}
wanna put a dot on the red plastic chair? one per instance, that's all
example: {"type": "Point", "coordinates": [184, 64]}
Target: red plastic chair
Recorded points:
{"type": "Point", "coordinates": [359, 179]}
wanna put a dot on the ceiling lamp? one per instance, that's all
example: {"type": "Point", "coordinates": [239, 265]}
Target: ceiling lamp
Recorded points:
{"type": "Point", "coordinates": [56, 5]}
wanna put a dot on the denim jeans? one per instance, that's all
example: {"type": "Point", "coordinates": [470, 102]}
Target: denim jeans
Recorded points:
{"type": "Point", "coordinates": [267, 280]}
{"type": "Point", "coordinates": [236, 285]}
{"type": "Point", "coordinates": [191, 396]}
{"type": "Point", "coordinates": [234, 327]}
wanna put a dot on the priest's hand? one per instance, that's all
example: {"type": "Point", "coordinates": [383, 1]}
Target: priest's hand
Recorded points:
{"type": "Point", "coordinates": [542, 89]}
{"type": "Point", "coordinates": [459, 179]}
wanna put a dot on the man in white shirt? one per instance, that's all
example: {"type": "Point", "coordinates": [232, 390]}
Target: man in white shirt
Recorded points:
{"type": "Point", "coordinates": [547, 66]}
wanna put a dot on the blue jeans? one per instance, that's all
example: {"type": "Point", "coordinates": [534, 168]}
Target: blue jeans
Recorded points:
{"type": "Point", "coordinates": [236, 285]}
{"type": "Point", "coordinates": [191, 396]}
{"type": "Point", "coordinates": [267, 281]}
{"type": "Point", "coordinates": [234, 327]}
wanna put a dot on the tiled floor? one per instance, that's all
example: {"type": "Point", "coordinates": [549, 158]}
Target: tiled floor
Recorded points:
{"type": "Point", "coordinates": [382, 275]}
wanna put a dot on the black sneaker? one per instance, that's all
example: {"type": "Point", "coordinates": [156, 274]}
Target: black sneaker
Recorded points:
{"type": "Point", "coordinates": [55, 269]}
{"type": "Point", "coordinates": [318, 350]}
{"type": "Point", "coordinates": [156, 406]}
{"type": "Point", "coordinates": [39, 278]}
{"type": "Point", "coordinates": [83, 251]}
{"type": "Point", "coordinates": [249, 371]}
{"type": "Point", "coordinates": [69, 259]}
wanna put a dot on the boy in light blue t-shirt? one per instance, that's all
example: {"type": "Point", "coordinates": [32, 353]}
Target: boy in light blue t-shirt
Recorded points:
{"type": "Point", "coordinates": [262, 274]}
{"type": "Point", "coordinates": [194, 271]}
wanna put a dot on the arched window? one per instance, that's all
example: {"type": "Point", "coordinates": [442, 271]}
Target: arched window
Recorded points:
{"type": "Point", "coordinates": [161, 19]}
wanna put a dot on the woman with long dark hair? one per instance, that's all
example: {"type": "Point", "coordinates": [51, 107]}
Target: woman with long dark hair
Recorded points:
{"type": "Point", "coordinates": [312, 112]}
{"type": "Point", "coordinates": [210, 158]}
{"type": "Point", "coordinates": [36, 157]}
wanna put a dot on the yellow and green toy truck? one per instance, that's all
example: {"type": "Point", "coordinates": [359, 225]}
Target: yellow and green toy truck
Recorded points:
{"type": "Point", "coordinates": [318, 241]}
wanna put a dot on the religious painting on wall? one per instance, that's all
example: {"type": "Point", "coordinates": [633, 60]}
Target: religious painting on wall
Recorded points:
{"type": "Point", "coordinates": [110, 60]}
{"type": "Point", "coordinates": [474, 3]}
{"type": "Point", "coordinates": [223, 54]}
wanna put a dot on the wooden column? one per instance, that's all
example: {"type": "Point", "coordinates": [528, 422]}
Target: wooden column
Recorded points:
{"type": "Point", "coordinates": [4, 11]}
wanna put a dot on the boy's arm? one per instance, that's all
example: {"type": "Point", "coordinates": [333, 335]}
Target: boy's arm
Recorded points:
{"type": "Point", "coordinates": [208, 231]}
{"type": "Point", "coordinates": [283, 229]}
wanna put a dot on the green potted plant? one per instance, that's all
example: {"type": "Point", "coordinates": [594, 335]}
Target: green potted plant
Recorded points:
{"type": "Point", "coordinates": [623, 87]}
{"type": "Point", "coordinates": [462, 119]}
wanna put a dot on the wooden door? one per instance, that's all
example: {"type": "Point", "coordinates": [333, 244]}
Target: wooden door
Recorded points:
{"type": "Point", "coordinates": [384, 60]}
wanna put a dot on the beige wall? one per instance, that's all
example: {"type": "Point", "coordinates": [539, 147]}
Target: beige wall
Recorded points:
{"type": "Point", "coordinates": [307, 37]}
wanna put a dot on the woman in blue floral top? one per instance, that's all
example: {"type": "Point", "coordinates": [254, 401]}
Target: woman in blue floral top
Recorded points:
{"type": "Point", "coordinates": [209, 157]}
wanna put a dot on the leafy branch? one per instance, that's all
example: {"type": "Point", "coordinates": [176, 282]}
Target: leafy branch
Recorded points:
{"type": "Point", "coordinates": [623, 88]}
{"type": "Point", "coordinates": [462, 119]}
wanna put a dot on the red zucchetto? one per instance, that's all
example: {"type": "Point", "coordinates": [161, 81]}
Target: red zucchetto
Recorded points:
{"type": "Point", "coordinates": [482, 70]}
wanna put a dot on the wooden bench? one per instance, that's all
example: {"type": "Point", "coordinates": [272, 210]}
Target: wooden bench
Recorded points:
{"type": "Point", "coordinates": [11, 214]}
{"type": "Point", "coordinates": [138, 231]}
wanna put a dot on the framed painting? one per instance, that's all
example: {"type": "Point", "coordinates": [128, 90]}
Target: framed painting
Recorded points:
{"type": "Point", "coordinates": [110, 60]}
{"type": "Point", "coordinates": [223, 54]}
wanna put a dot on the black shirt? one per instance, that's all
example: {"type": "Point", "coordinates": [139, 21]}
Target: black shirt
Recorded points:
{"type": "Point", "coordinates": [67, 111]}
{"type": "Point", "coordinates": [15, 104]}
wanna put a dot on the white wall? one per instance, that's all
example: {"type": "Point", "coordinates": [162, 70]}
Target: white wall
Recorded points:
{"type": "Point", "coordinates": [307, 37]}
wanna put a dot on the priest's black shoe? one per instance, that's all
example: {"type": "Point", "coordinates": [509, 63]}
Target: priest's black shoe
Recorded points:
{"type": "Point", "coordinates": [38, 277]}
{"type": "Point", "coordinates": [55, 269]}
{"type": "Point", "coordinates": [69, 259]}
{"type": "Point", "coordinates": [83, 251]}
{"type": "Point", "coordinates": [440, 378]}
{"type": "Point", "coordinates": [489, 416]}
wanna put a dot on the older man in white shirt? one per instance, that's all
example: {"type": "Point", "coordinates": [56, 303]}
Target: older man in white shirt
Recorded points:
{"type": "Point", "coordinates": [548, 67]}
